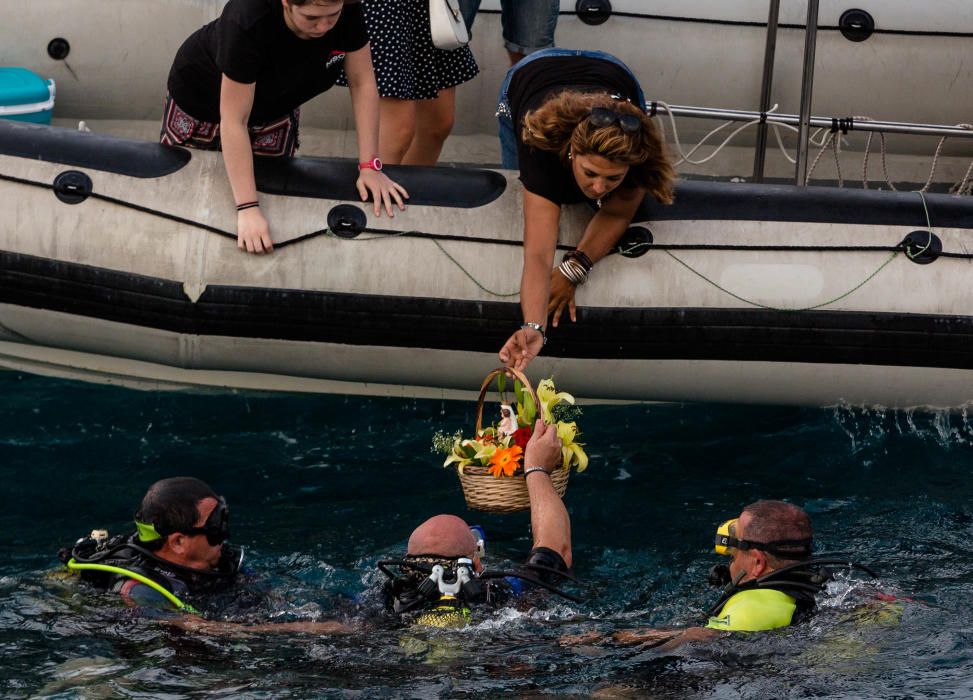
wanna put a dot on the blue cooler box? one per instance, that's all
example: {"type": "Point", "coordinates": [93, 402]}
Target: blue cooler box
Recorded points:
{"type": "Point", "coordinates": [25, 96]}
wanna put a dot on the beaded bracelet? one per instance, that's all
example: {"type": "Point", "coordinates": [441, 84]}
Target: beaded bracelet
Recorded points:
{"type": "Point", "coordinates": [531, 470]}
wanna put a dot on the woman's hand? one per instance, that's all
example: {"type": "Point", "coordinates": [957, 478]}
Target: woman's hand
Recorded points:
{"type": "Point", "coordinates": [383, 190]}
{"type": "Point", "coordinates": [522, 347]}
{"type": "Point", "coordinates": [562, 294]}
{"type": "Point", "coordinates": [253, 232]}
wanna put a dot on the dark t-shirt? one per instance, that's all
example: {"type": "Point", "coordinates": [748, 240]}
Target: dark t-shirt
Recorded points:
{"type": "Point", "coordinates": [250, 43]}
{"type": "Point", "coordinates": [542, 172]}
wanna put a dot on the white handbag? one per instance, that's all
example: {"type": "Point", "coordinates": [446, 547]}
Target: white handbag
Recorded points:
{"type": "Point", "coordinates": [447, 25]}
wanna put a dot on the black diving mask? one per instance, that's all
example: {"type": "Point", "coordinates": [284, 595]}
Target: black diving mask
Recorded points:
{"type": "Point", "coordinates": [217, 525]}
{"type": "Point", "coordinates": [216, 528]}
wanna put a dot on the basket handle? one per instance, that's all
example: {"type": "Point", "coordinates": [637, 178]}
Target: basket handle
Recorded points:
{"type": "Point", "coordinates": [486, 385]}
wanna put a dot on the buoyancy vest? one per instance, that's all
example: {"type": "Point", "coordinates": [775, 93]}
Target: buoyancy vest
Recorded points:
{"type": "Point", "coordinates": [112, 563]}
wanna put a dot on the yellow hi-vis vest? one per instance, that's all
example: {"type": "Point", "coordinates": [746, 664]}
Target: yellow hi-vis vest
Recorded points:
{"type": "Point", "coordinates": [755, 610]}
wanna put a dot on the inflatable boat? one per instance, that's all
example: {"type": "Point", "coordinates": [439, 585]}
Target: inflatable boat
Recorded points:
{"type": "Point", "coordinates": [118, 264]}
{"type": "Point", "coordinates": [694, 52]}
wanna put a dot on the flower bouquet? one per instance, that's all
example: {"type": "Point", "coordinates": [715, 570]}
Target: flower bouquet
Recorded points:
{"type": "Point", "coordinates": [490, 465]}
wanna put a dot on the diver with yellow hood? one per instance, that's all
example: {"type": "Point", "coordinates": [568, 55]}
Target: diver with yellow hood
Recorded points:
{"type": "Point", "coordinates": [771, 581]}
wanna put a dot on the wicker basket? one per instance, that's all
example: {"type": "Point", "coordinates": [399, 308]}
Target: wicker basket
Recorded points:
{"type": "Point", "coordinates": [485, 492]}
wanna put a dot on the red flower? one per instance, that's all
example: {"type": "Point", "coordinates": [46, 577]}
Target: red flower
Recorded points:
{"type": "Point", "coordinates": [521, 436]}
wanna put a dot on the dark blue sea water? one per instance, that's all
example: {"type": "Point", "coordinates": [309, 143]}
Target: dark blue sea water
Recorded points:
{"type": "Point", "coordinates": [321, 487]}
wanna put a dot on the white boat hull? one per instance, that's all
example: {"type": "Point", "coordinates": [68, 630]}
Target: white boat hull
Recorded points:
{"type": "Point", "coordinates": [807, 301]}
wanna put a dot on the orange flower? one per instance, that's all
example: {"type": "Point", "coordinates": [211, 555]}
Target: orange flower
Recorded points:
{"type": "Point", "coordinates": [505, 461]}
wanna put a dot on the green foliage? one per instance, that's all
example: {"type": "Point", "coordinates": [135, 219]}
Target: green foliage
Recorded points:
{"type": "Point", "coordinates": [526, 408]}
{"type": "Point", "coordinates": [565, 412]}
{"type": "Point", "coordinates": [442, 443]}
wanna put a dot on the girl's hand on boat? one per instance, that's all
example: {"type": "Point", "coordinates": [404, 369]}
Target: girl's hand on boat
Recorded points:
{"type": "Point", "coordinates": [383, 190]}
{"type": "Point", "coordinates": [562, 294]}
{"type": "Point", "coordinates": [522, 347]}
{"type": "Point", "coordinates": [253, 232]}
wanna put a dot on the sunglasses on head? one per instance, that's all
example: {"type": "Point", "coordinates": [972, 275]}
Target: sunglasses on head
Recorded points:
{"type": "Point", "coordinates": [601, 117]}
{"type": "Point", "coordinates": [217, 525]}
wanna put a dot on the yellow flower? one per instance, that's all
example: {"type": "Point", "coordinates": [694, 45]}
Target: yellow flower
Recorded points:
{"type": "Point", "coordinates": [548, 398]}
{"type": "Point", "coordinates": [571, 452]}
{"type": "Point", "coordinates": [505, 461]}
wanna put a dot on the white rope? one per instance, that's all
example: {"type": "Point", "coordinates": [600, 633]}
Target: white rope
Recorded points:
{"type": "Point", "coordinates": [685, 157]}
{"type": "Point", "coordinates": [965, 186]}
{"type": "Point", "coordinates": [821, 138]}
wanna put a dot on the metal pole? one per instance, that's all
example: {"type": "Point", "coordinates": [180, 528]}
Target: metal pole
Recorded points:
{"type": "Point", "coordinates": [739, 115]}
{"type": "Point", "coordinates": [769, 50]}
{"type": "Point", "coordinates": [807, 82]}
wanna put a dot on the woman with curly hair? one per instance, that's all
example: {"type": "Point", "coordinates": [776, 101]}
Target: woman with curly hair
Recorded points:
{"type": "Point", "coordinates": [574, 123]}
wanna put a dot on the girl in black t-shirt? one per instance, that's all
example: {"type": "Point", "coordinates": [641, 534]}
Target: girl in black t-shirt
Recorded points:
{"type": "Point", "coordinates": [238, 83]}
{"type": "Point", "coordinates": [570, 120]}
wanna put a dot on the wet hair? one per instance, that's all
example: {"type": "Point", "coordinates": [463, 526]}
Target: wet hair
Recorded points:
{"type": "Point", "coordinates": [772, 521]}
{"type": "Point", "coordinates": [561, 125]}
{"type": "Point", "coordinates": [170, 505]}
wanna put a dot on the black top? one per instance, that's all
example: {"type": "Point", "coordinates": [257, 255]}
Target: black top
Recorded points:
{"type": "Point", "coordinates": [542, 172]}
{"type": "Point", "coordinates": [250, 43]}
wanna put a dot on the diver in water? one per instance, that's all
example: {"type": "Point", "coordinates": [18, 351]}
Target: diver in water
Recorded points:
{"type": "Point", "coordinates": [442, 577]}
{"type": "Point", "coordinates": [770, 582]}
{"type": "Point", "coordinates": [179, 551]}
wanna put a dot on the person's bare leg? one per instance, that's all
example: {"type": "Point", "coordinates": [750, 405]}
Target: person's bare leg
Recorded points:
{"type": "Point", "coordinates": [397, 128]}
{"type": "Point", "coordinates": [434, 122]}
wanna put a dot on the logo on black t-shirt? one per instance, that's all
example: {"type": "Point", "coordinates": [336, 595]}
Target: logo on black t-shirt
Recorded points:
{"type": "Point", "coordinates": [336, 58]}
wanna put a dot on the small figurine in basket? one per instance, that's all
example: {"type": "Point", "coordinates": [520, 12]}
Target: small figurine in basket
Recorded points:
{"type": "Point", "coordinates": [486, 461]}
{"type": "Point", "coordinates": [444, 579]}
{"type": "Point", "coordinates": [508, 421]}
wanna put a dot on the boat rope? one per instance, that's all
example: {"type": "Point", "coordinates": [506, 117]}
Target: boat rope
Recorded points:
{"type": "Point", "coordinates": [466, 272]}
{"type": "Point", "coordinates": [821, 138]}
{"type": "Point", "coordinates": [966, 185]}
{"type": "Point", "coordinates": [384, 233]}
{"type": "Point", "coordinates": [836, 148]}
{"type": "Point", "coordinates": [437, 239]}
{"type": "Point", "coordinates": [778, 308]}
{"type": "Point", "coordinates": [895, 253]}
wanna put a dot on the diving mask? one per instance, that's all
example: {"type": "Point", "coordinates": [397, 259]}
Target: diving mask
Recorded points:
{"type": "Point", "coordinates": [726, 539]}
{"type": "Point", "coordinates": [727, 542]}
{"type": "Point", "coordinates": [217, 525]}
{"type": "Point", "coordinates": [216, 528]}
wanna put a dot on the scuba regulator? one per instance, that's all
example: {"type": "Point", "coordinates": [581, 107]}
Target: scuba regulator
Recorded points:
{"type": "Point", "coordinates": [446, 582]}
